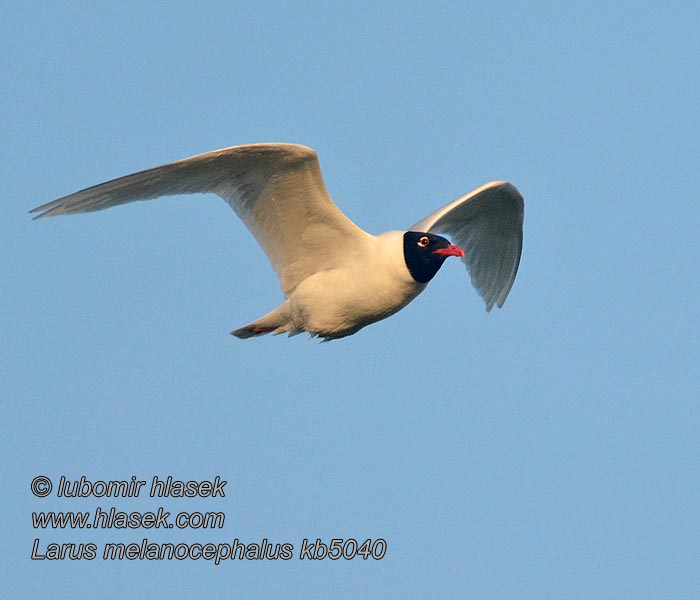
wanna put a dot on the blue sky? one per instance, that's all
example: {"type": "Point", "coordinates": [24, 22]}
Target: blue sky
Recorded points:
{"type": "Point", "coordinates": [547, 450]}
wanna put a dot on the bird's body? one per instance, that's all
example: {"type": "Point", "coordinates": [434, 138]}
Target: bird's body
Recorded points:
{"type": "Point", "coordinates": [336, 278]}
{"type": "Point", "coordinates": [373, 284]}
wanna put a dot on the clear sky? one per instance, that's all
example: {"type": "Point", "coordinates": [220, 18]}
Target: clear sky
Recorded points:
{"type": "Point", "coordinates": [547, 450]}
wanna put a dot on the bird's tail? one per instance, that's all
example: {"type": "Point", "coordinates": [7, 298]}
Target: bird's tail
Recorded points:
{"type": "Point", "coordinates": [276, 322]}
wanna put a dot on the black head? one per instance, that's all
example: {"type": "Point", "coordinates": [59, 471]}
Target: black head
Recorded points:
{"type": "Point", "coordinates": [424, 254]}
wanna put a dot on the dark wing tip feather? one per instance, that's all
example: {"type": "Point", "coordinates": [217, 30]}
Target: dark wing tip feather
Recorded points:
{"type": "Point", "coordinates": [49, 209]}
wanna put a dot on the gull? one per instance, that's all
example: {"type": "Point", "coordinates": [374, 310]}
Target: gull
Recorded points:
{"type": "Point", "coordinates": [336, 277]}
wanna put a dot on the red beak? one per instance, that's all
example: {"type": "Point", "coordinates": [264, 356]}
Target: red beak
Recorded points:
{"type": "Point", "coordinates": [450, 251]}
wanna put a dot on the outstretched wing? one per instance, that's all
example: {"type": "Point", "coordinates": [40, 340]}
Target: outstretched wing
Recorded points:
{"type": "Point", "coordinates": [488, 224]}
{"type": "Point", "coordinates": [276, 189]}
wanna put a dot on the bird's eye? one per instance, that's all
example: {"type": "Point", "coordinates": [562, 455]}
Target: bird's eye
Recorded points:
{"type": "Point", "coordinates": [424, 241]}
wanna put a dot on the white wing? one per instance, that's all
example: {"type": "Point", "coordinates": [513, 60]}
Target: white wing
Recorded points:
{"type": "Point", "coordinates": [488, 224]}
{"type": "Point", "coordinates": [276, 189]}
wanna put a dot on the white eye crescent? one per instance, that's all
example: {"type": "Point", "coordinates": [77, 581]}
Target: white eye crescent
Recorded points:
{"type": "Point", "coordinates": [424, 241]}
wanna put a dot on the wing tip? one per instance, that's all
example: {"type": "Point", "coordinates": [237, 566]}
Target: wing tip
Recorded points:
{"type": "Point", "coordinates": [45, 210]}
{"type": "Point", "coordinates": [497, 302]}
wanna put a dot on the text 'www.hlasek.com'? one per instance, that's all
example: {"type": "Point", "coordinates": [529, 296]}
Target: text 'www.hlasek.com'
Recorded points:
{"type": "Point", "coordinates": [107, 517]}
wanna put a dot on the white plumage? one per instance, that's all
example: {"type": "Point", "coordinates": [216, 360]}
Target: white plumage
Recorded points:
{"type": "Point", "coordinates": [336, 278]}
